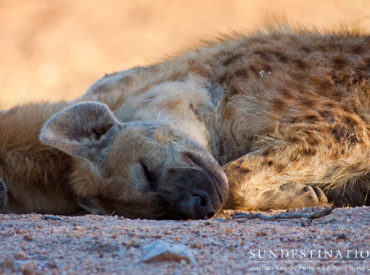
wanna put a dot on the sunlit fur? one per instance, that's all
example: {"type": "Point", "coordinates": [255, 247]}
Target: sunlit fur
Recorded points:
{"type": "Point", "coordinates": [284, 112]}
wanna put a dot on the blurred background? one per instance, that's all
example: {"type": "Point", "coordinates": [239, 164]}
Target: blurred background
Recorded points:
{"type": "Point", "coordinates": [55, 49]}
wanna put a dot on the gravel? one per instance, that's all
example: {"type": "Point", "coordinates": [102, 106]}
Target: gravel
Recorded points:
{"type": "Point", "coordinates": [45, 244]}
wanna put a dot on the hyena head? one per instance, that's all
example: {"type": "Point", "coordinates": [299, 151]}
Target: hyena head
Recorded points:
{"type": "Point", "coordinates": [136, 169]}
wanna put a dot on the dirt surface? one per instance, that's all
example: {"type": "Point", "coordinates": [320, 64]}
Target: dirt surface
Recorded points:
{"type": "Point", "coordinates": [336, 243]}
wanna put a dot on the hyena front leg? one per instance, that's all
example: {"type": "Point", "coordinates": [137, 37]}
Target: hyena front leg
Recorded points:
{"type": "Point", "coordinates": [3, 194]}
{"type": "Point", "coordinates": [302, 166]}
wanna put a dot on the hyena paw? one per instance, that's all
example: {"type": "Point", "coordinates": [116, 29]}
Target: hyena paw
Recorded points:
{"type": "Point", "coordinates": [293, 195]}
{"type": "Point", "coordinates": [3, 195]}
{"type": "Point", "coordinates": [304, 195]}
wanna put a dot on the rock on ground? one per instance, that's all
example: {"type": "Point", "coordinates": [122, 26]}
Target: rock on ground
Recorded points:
{"type": "Point", "coordinates": [159, 251]}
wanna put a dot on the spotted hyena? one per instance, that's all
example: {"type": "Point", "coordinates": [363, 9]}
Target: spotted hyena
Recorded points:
{"type": "Point", "coordinates": [276, 119]}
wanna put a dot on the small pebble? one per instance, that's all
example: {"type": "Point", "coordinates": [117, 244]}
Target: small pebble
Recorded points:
{"type": "Point", "coordinates": [159, 251]}
{"type": "Point", "coordinates": [28, 237]}
{"type": "Point", "coordinates": [50, 218]}
{"type": "Point", "coordinates": [306, 222]}
{"type": "Point", "coordinates": [341, 236]}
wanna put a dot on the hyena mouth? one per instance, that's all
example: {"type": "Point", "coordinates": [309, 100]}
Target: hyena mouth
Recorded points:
{"type": "Point", "coordinates": [216, 186]}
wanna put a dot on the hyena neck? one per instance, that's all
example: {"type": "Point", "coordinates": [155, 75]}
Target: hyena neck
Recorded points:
{"type": "Point", "coordinates": [189, 104]}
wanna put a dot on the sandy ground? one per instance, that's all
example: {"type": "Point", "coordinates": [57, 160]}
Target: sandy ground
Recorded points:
{"type": "Point", "coordinates": [36, 244]}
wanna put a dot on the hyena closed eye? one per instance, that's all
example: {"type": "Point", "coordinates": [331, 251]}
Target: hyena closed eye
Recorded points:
{"type": "Point", "coordinates": [272, 120]}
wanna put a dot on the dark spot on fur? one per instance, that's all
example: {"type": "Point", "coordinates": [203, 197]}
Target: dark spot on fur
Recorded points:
{"type": "Point", "coordinates": [329, 105]}
{"type": "Point", "coordinates": [309, 152]}
{"type": "Point", "coordinates": [293, 139]}
{"type": "Point", "coordinates": [240, 162]}
{"type": "Point", "coordinates": [198, 68]}
{"type": "Point", "coordinates": [346, 109]}
{"type": "Point", "coordinates": [312, 118]}
{"type": "Point", "coordinates": [235, 90]}
{"type": "Point", "coordinates": [224, 79]}
{"type": "Point", "coordinates": [352, 137]}
{"type": "Point", "coordinates": [325, 84]}
{"type": "Point", "coordinates": [279, 167]}
{"type": "Point", "coordinates": [286, 93]}
{"type": "Point", "coordinates": [342, 151]}
{"type": "Point", "coordinates": [267, 68]}
{"type": "Point", "coordinates": [266, 152]}
{"type": "Point", "coordinates": [359, 48]}
{"type": "Point", "coordinates": [242, 73]}
{"type": "Point", "coordinates": [277, 105]}
{"type": "Point", "coordinates": [339, 133]}
{"type": "Point", "coordinates": [262, 54]}
{"type": "Point", "coordinates": [350, 121]}
{"type": "Point", "coordinates": [312, 141]}
{"type": "Point", "coordinates": [253, 69]}
{"type": "Point", "coordinates": [283, 58]}
{"type": "Point", "coordinates": [293, 158]}
{"type": "Point", "coordinates": [270, 163]}
{"type": "Point", "coordinates": [244, 170]}
{"type": "Point", "coordinates": [231, 59]}
{"type": "Point", "coordinates": [353, 140]}
{"type": "Point", "coordinates": [330, 146]}
{"type": "Point", "coordinates": [339, 62]}
{"type": "Point", "coordinates": [327, 116]}
{"type": "Point", "coordinates": [334, 153]}
{"type": "Point", "coordinates": [300, 64]}
{"type": "Point", "coordinates": [293, 120]}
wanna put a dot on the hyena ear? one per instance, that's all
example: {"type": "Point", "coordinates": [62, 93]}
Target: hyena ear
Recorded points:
{"type": "Point", "coordinates": [83, 130]}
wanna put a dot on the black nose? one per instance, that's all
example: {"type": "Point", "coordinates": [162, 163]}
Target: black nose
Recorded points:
{"type": "Point", "coordinates": [197, 205]}
{"type": "Point", "coordinates": [193, 195]}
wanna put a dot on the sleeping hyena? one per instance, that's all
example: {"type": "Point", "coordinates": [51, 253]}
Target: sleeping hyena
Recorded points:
{"type": "Point", "coordinates": [278, 119]}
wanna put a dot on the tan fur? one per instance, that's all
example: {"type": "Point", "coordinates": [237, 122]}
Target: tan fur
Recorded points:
{"type": "Point", "coordinates": [36, 175]}
{"type": "Point", "coordinates": [285, 113]}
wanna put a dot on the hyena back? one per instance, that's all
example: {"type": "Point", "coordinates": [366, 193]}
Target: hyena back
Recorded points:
{"type": "Point", "coordinates": [283, 115]}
